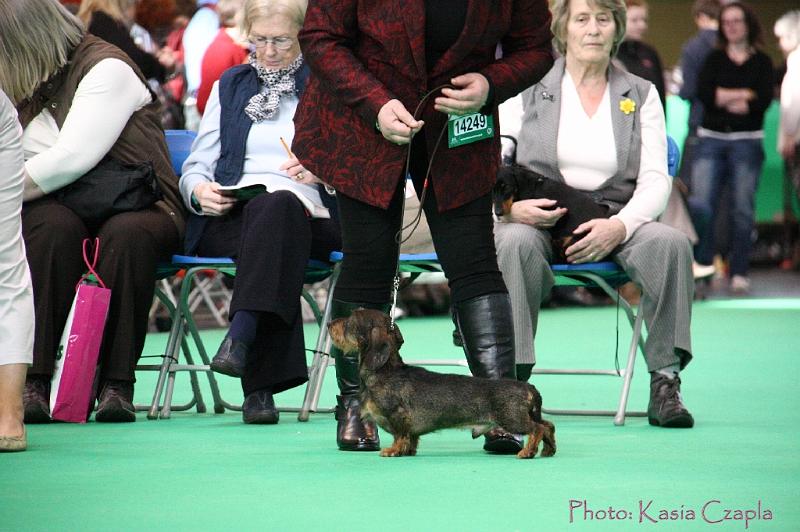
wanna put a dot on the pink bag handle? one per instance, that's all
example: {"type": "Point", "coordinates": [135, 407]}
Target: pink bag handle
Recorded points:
{"type": "Point", "coordinates": [91, 266]}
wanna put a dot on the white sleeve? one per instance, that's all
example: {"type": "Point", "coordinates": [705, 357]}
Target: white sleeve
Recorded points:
{"type": "Point", "coordinates": [104, 101]}
{"type": "Point", "coordinates": [653, 184]}
{"type": "Point", "coordinates": [790, 97]}
{"type": "Point", "coordinates": [199, 167]}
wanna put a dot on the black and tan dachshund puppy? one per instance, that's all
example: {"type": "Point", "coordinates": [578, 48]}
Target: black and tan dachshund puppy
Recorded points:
{"type": "Point", "coordinates": [409, 401]}
{"type": "Point", "coordinates": [516, 183]}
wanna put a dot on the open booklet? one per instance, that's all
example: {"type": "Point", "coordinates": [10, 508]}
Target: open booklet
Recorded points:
{"type": "Point", "coordinates": [246, 191]}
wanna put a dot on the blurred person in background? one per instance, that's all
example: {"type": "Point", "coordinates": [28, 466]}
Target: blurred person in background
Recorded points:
{"type": "Point", "coordinates": [735, 87]}
{"type": "Point", "coordinates": [229, 48]}
{"type": "Point", "coordinates": [638, 57]}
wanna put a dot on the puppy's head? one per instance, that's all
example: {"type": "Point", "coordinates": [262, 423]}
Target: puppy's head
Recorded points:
{"type": "Point", "coordinates": [370, 334]}
{"type": "Point", "coordinates": [505, 190]}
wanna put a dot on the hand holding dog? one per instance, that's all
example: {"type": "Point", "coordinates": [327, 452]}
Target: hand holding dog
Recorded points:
{"type": "Point", "coordinates": [541, 213]}
{"type": "Point", "coordinates": [602, 235]}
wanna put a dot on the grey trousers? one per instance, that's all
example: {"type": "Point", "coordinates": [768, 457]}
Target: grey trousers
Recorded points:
{"type": "Point", "coordinates": [657, 258]}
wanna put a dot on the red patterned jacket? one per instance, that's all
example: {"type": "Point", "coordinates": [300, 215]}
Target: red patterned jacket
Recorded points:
{"type": "Point", "coordinates": [363, 53]}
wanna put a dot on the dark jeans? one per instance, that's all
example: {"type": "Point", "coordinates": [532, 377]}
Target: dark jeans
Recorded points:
{"type": "Point", "coordinates": [737, 165]}
{"type": "Point", "coordinates": [462, 237]}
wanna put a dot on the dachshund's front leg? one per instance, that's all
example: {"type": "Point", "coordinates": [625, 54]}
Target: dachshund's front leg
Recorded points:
{"type": "Point", "coordinates": [403, 445]}
{"type": "Point", "coordinates": [532, 447]}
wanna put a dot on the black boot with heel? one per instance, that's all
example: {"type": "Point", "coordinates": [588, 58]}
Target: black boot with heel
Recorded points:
{"type": "Point", "coordinates": [486, 328]}
{"type": "Point", "coordinates": [352, 433]}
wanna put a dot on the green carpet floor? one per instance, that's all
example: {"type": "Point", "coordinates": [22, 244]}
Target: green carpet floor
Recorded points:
{"type": "Point", "coordinates": [211, 472]}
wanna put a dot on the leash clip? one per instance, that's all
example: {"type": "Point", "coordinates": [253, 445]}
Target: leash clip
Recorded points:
{"type": "Point", "coordinates": [395, 289]}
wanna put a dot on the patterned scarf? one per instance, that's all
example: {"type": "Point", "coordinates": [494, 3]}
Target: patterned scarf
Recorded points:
{"type": "Point", "coordinates": [275, 83]}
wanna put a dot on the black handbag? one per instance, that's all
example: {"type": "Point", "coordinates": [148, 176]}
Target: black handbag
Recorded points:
{"type": "Point", "coordinates": [110, 188]}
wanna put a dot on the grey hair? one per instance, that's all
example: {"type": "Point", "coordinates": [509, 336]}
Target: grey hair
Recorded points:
{"type": "Point", "coordinates": [113, 8]}
{"type": "Point", "coordinates": [38, 37]}
{"type": "Point", "coordinates": [788, 26]}
{"type": "Point", "coordinates": [295, 10]}
{"type": "Point", "coordinates": [560, 11]}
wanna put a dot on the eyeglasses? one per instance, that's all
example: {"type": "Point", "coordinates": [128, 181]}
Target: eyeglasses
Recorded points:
{"type": "Point", "coordinates": [280, 43]}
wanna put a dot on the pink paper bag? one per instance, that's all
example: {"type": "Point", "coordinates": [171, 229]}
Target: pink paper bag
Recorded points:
{"type": "Point", "coordinates": [71, 392]}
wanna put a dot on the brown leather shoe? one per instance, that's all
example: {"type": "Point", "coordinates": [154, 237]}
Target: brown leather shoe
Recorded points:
{"type": "Point", "coordinates": [36, 399]}
{"type": "Point", "coordinates": [116, 403]}
{"type": "Point", "coordinates": [353, 433]}
{"type": "Point", "coordinates": [666, 408]}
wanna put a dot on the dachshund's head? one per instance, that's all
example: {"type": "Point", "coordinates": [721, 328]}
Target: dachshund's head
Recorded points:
{"type": "Point", "coordinates": [504, 192]}
{"type": "Point", "coordinates": [370, 334]}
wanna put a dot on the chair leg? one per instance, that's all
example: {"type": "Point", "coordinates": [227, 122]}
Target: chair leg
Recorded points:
{"type": "Point", "coordinates": [219, 407]}
{"type": "Point", "coordinates": [619, 418]}
{"type": "Point", "coordinates": [321, 360]}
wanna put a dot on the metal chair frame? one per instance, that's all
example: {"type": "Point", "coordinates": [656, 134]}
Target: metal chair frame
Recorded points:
{"type": "Point", "coordinates": [605, 275]}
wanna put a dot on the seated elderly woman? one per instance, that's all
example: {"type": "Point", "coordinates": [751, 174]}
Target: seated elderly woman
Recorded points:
{"type": "Point", "coordinates": [82, 101]}
{"type": "Point", "coordinates": [273, 235]}
{"type": "Point", "coordinates": [601, 130]}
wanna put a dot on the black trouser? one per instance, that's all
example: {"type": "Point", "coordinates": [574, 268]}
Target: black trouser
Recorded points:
{"type": "Point", "coordinates": [271, 240]}
{"type": "Point", "coordinates": [463, 238]}
{"type": "Point", "coordinates": [131, 245]}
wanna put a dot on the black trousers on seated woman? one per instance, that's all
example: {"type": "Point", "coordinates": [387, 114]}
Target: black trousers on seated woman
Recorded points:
{"type": "Point", "coordinates": [271, 239]}
{"type": "Point", "coordinates": [131, 245]}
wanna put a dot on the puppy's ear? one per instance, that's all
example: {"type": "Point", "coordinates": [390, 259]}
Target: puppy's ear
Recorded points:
{"type": "Point", "coordinates": [378, 350]}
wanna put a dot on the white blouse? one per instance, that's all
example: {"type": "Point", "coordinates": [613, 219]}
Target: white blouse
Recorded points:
{"type": "Point", "coordinates": [104, 101]}
{"type": "Point", "coordinates": [587, 153]}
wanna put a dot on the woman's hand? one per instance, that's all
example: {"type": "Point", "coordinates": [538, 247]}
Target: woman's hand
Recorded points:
{"type": "Point", "coordinates": [212, 201]}
{"type": "Point", "coordinates": [602, 235]}
{"type": "Point", "coordinates": [469, 96]}
{"type": "Point", "coordinates": [30, 190]}
{"type": "Point", "coordinates": [166, 56]}
{"type": "Point", "coordinates": [540, 213]}
{"type": "Point", "coordinates": [396, 124]}
{"type": "Point", "coordinates": [298, 172]}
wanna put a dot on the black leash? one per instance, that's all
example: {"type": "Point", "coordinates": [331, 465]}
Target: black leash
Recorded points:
{"type": "Point", "coordinates": [418, 217]}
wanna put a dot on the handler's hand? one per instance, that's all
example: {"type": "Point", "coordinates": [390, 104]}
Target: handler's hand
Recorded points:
{"type": "Point", "coordinates": [602, 236]}
{"type": "Point", "coordinates": [212, 202]}
{"type": "Point", "coordinates": [536, 212]}
{"type": "Point", "coordinates": [396, 124]}
{"type": "Point", "coordinates": [469, 96]}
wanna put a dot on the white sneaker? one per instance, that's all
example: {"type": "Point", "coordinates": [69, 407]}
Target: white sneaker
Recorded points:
{"type": "Point", "coordinates": [740, 284]}
{"type": "Point", "coordinates": [703, 271]}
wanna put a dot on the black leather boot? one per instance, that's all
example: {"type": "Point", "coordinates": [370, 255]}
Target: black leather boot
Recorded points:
{"type": "Point", "coordinates": [487, 333]}
{"type": "Point", "coordinates": [352, 433]}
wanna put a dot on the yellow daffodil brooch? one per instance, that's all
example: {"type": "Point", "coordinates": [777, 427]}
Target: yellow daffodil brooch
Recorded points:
{"type": "Point", "coordinates": [627, 106]}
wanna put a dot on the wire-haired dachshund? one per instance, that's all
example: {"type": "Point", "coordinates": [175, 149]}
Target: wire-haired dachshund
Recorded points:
{"type": "Point", "coordinates": [409, 401]}
{"type": "Point", "coordinates": [516, 183]}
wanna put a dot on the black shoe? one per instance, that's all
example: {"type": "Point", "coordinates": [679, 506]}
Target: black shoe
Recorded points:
{"type": "Point", "coordinates": [499, 441]}
{"type": "Point", "coordinates": [116, 403]}
{"type": "Point", "coordinates": [666, 408]}
{"type": "Point", "coordinates": [352, 432]}
{"type": "Point", "coordinates": [36, 399]}
{"type": "Point", "coordinates": [259, 408]}
{"type": "Point", "coordinates": [230, 358]}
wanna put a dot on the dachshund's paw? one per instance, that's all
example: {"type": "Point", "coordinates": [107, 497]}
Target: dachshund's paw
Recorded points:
{"type": "Point", "coordinates": [548, 451]}
{"type": "Point", "coordinates": [525, 453]}
{"type": "Point", "coordinates": [390, 452]}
